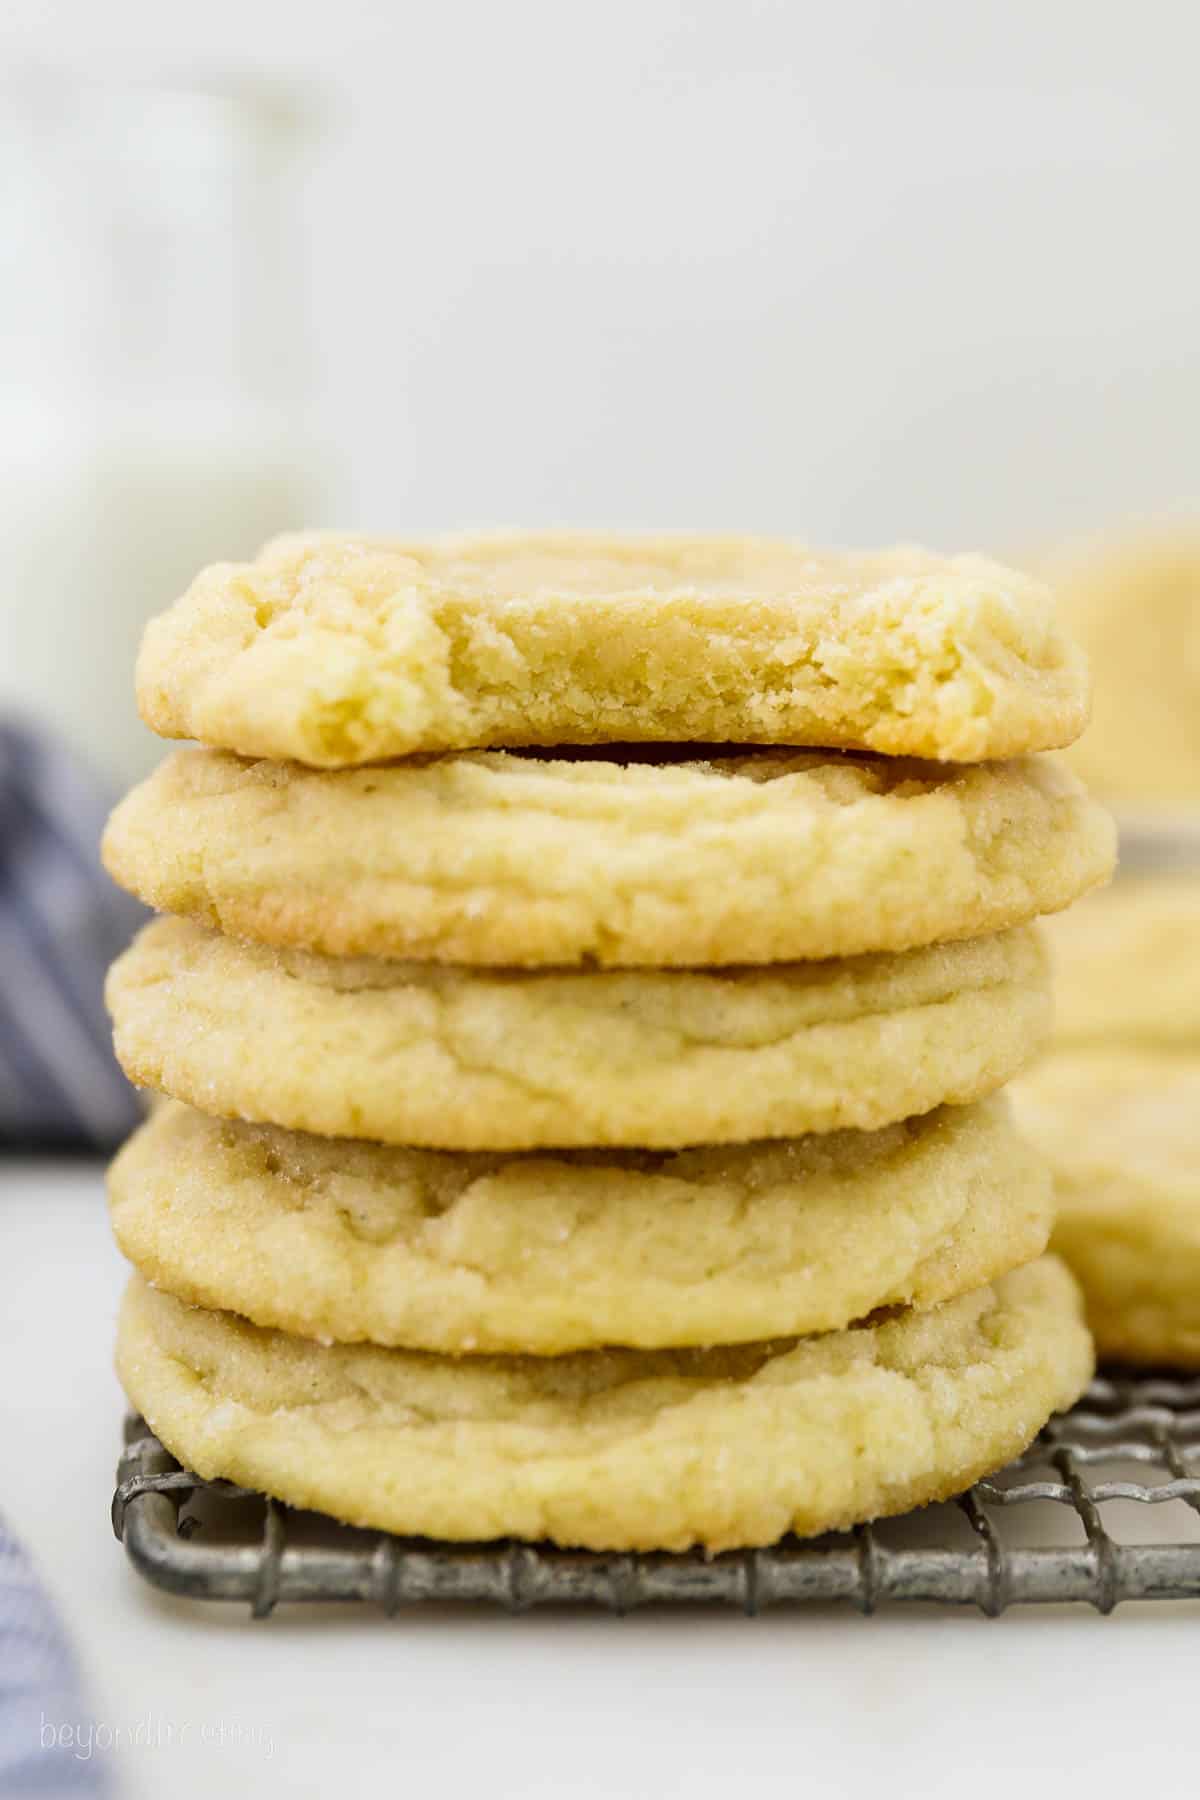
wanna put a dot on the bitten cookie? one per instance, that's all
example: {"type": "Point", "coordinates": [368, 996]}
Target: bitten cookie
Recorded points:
{"type": "Point", "coordinates": [1121, 1130]}
{"type": "Point", "coordinates": [616, 1449]}
{"type": "Point", "coordinates": [771, 856]}
{"type": "Point", "coordinates": [473, 1059]}
{"type": "Point", "coordinates": [338, 651]}
{"type": "Point", "coordinates": [436, 1251]}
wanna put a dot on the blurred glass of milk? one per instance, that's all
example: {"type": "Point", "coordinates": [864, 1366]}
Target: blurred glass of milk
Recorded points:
{"type": "Point", "coordinates": [154, 379]}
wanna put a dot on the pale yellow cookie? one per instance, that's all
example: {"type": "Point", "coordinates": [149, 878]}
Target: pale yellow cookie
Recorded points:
{"type": "Point", "coordinates": [1127, 965]}
{"type": "Point", "coordinates": [338, 651]}
{"type": "Point", "coordinates": [1121, 1129]}
{"type": "Point", "coordinates": [1134, 604]}
{"type": "Point", "coordinates": [540, 1253]}
{"type": "Point", "coordinates": [466, 1059]}
{"type": "Point", "coordinates": [616, 1449]}
{"type": "Point", "coordinates": [772, 856]}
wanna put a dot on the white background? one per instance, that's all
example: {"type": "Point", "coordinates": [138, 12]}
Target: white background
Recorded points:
{"type": "Point", "coordinates": [851, 270]}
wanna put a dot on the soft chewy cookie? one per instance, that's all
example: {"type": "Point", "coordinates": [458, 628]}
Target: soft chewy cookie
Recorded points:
{"type": "Point", "coordinates": [616, 1449]}
{"type": "Point", "coordinates": [1121, 1130]}
{"type": "Point", "coordinates": [338, 651]}
{"type": "Point", "coordinates": [540, 1253]}
{"type": "Point", "coordinates": [420, 1053]}
{"type": "Point", "coordinates": [1127, 965]}
{"type": "Point", "coordinates": [1135, 606]}
{"type": "Point", "coordinates": [770, 856]}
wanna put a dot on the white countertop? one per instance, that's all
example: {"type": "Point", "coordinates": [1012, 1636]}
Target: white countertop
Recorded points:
{"type": "Point", "coordinates": [434, 1703]}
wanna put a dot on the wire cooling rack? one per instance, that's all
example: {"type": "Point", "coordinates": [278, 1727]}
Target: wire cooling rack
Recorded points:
{"type": "Point", "coordinates": [1069, 1520]}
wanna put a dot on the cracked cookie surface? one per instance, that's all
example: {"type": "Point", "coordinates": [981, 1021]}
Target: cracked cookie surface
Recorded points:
{"type": "Point", "coordinates": [544, 1253]}
{"type": "Point", "coordinates": [769, 856]}
{"type": "Point", "coordinates": [616, 1449]}
{"type": "Point", "coordinates": [453, 1058]}
{"type": "Point", "coordinates": [339, 651]}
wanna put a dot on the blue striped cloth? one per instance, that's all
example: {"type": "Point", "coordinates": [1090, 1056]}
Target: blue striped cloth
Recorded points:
{"type": "Point", "coordinates": [48, 1741]}
{"type": "Point", "coordinates": [61, 924]}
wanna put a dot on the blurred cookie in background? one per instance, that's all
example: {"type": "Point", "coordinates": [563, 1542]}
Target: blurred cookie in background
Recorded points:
{"type": "Point", "coordinates": [1121, 1130]}
{"type": "Point", "coordinates": [1115, 1109]}
{"type": "Point", "coordinates": [1127, 964]}
{"type": "Point", "coordinates": [1134, 604]}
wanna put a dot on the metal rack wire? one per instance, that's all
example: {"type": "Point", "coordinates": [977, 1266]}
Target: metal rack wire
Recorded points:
{"type": "Point", "coordinates": [1131, 1439]}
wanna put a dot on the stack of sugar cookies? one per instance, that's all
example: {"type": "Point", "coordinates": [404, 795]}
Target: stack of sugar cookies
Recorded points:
{"type": "Point", "coordinates": [582, 1014]}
